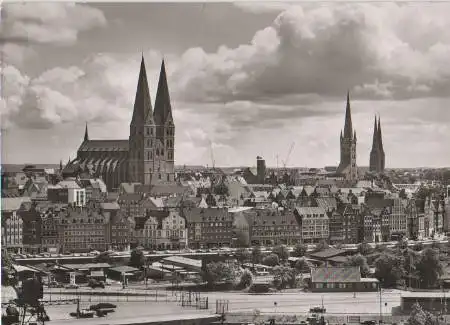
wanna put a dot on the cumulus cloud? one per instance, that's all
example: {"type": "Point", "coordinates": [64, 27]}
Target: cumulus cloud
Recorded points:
{"type": "Point", "coordinates": [379, 50]}
{"type": "Point", "coordinates": [54, 23]}
{"type": "Point", "coordinates": [291, 75]}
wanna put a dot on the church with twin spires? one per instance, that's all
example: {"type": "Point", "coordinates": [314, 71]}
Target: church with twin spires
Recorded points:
{"type": "Point", "coordinates": [147, 157]}
{"type": "Point", "coordinates": [347, 166]}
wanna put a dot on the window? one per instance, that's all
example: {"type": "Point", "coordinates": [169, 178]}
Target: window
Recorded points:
{"type": "Point", "coordinates": [157, 152]}
{"type": "Point", "coordinates": [168, 177]}
{"type": "Point", "coordinates": [162, 152]}
{"type": "Point", "coordinates": [159, 176]}
{"type": "Point", "coordinates": [147, 130]}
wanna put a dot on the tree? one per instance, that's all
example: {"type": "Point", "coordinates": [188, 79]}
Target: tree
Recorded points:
{"type": "Point", "coordinates": [256, 255]}
{"type": "Point", "coordinates": [271, 260]}
{"type": "Point", "coordinates": [103, 257]}
{"type": "Point", "coordinates": [282, 252]}
{"type": "Point", "coordinates": [429, 267]}
{"type": "Point", "coordinates": [242, 255]}
{"type": "Point", "coordinates": [284, 276]}
{"type": "Point", "coordinates": [302, 266]}
{"type": "Point", "coordinates": [299, 250]}
{"type": "Point", "coordinates": [365, 249]}
{"type": "Point", "coordinates": [242, 238]}
{"type": "Point", "coordinates": [402, 194]}
{"type": "Point", "coordinates": [361, 261]}
{"type": "Point", "coordinates": [322, 245]}
{"type": "Point", "coordinates": [389, 269]}
{"type": "Point", "coordinates": [137, 258]}
{"type": "Point", "coordinates": [418, 247]}
{"type": "Point", "coordinates": [246, 279]}
{"type": "Point", "coordinates": [421, 317]}
{"type": "Point", "coordinates": [217, 272]}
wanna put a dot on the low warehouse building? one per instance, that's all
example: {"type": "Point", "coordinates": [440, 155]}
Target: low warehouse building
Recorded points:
{"type": "Point", "coordinates": [436, 302]}
{"type": "Point", "coordinates": [341, 279]}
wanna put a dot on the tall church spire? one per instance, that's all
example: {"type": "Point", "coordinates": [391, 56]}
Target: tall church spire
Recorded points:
{"type": "Point", "coordinates": [86, 134]}
{"type": "Point", "coordinates": [380, 137]}
{"type": "Point", "coordinates": [375, 134]}
{"type": "Point", "coordinates": [142, 112]}
{"type": "Point", "coordinates": [163, 107]}
{"type": "Point", "coordinates": [348, 127]}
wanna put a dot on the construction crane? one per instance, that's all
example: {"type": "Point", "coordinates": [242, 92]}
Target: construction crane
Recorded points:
{"type": "Point", "coordinates": [288, 155]}
{"type": "Point", "coordinates": [212, 155]}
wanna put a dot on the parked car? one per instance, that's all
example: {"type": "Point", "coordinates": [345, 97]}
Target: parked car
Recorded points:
{"type": "Point", "coordinates": [71, 286]}
{"type": "Point", "coordinates": [55, 284]}
{"type": "Point", "coordinates": [318, 310]}
{"type": "Point", "coordinates": [369, 322]}
{"type": "Point", "coordinates": [96, 284]}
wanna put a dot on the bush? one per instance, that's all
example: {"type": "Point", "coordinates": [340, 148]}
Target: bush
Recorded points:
{"type": "Point", "coordinates": [299, 250]}
{"type": "Point", "coordinates": [246, 279]}
{"type": "Point", "coordinates": [259, 288]}
{"type": "Point", "coordinates": [271, 260]}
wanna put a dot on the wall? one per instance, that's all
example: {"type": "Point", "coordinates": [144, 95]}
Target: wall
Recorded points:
{"type": "Point", "coordinates": [205, 320]}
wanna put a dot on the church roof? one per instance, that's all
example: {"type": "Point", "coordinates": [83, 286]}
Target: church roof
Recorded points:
{"type": "Point", "coordinates": [104, 145]}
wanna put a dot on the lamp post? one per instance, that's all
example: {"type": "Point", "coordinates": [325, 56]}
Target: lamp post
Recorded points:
{"type": "Point", "coordinates": [381, 308]}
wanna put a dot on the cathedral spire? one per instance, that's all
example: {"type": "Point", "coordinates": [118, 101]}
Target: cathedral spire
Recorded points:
{"type": "Point", "coordinates": [86, 133]}
{"type": "Point", "coordinates": [380, 137]}
{"type": "Point", "coordinates": [163, 107]}
{"type": "Point", "coordinates": [142, 112]}
{"type": "Point", "coordinates": [375, 134]}
{"type": "Point", "coordinates": [348, 128]}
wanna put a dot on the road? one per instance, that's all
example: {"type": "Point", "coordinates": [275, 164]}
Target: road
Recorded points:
{"type": "Point", "coordinates": [289, 301]}
{"type": "Point", "coordinates": [301, 302]}
{"type": "Point", "coordinates": [126, 313]}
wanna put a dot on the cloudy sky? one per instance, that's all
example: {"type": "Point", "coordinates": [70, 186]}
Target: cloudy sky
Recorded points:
{"type": "Point", "coordinates": [245, 79]}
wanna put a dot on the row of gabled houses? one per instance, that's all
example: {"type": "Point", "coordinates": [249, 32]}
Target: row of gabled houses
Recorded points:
{"type": "Point", "coordinates": [179, 221]}
{"type": "Point", "coordinates": [59, 216]}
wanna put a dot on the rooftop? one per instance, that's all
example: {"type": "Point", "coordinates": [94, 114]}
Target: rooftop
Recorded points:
{"type": "Point", "coordinates": [336, 274]}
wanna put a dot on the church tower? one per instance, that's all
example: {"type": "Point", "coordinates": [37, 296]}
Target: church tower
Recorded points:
{"type": "Point", "coordinates": [142, 133]}
{"type": "Point", "coordinates": [165, 132]}
{"type": "Point", "coordinates": [347, 165]}
{"type": "Point", "coordinates": [377, 157]}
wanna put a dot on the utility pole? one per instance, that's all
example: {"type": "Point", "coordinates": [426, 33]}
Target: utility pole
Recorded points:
{"type": "Point", "coordinates": [381, 308]}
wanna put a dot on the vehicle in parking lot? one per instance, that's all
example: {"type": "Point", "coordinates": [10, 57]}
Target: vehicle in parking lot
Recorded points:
{"type": "Point", "coordinates": [71, 286]}
{"type": "Point", "coordinates": [96, 284]}
{"type": "Point", "coordinates": [317, 310]}
{"type": "Point", "coordinates": [55, 284]}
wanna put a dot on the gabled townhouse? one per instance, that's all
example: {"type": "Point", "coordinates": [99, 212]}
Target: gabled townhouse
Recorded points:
{"type": "Point", "coordinates": [314, 224]}
{"type": "Point", "coordinates": [273, 226]}
{"type": "Point", "coordinates": [12, 222]}
{"type": "Point", "coordinates": [211, 227]}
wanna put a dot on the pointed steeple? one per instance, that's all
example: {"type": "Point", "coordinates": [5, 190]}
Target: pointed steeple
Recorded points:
{"type": "Point", "coordinates": [380, 137]}
{"type": "Point", "coordinates": [163, 107]}
{"type": "Point", "coordinates": [354, 135]}
{"type": "Point", "coordinates": [60, 165]}
{"type": "Point", "coordinates": [142, 112]}
{"type": "Point", "coordinates": [348, 127]}
{"type": "Point", "coordinates": [86, 133]}
{"type": "Point", "coordinates": [375, 135]}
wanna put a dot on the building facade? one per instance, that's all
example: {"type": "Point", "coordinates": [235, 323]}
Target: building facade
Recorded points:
{"type": "Point", "coordinates": [273, 227]}
{"type": "Point", "coordinates": [12, 223]}
{"type": "Point", "coordinates": [314, 224]}
{"type": "Point", "coordinates": [83, 229]}
{"type": "Point", "coordinates": [210, 227]}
